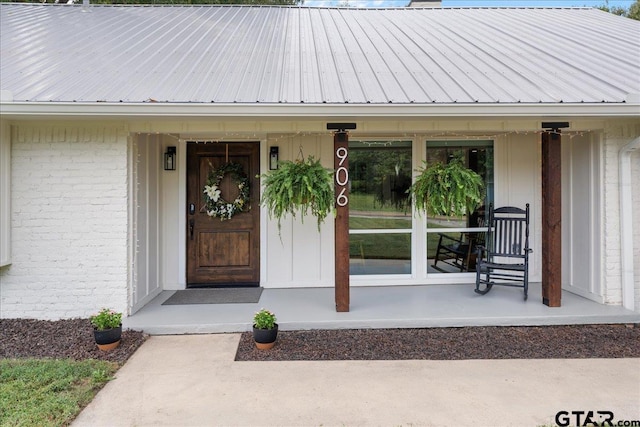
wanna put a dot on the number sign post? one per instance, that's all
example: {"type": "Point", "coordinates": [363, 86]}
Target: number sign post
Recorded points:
{"type": "Point", "coordinates": [341, 166]}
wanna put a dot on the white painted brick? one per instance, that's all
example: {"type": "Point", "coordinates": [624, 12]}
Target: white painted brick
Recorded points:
{"type": "Point", "coordinates": [69, 223]}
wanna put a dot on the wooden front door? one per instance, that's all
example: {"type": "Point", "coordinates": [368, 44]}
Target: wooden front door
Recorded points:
{"type": "Point", "coordinates": [222, 252]}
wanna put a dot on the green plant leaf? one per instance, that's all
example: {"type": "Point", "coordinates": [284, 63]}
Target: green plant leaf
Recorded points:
{"type": "Point", "coordinates": [447, 190]}
{"type": "Point", "coordinates": [297, 188]}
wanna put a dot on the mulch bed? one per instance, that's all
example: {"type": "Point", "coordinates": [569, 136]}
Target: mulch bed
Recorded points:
{"type": "Point", "coordinates": [26, 338]}
{"type": "Point", "coordinates": [62, 339]}
{"type": "Point", "coordinates": [500, 342]}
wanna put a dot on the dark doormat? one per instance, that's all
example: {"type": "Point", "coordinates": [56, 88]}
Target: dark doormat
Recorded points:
{"type": "Point", "coordinates": [215, 296]}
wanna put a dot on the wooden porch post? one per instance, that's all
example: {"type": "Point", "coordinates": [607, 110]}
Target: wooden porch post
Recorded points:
{"type": "Point", "coordinates": [552, 215]}
{"type": "Point", "coordinates": [341, 167]}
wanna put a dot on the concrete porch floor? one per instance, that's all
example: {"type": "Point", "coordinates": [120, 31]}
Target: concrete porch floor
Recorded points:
{"type": "Point", "coordinates": [379, 307]}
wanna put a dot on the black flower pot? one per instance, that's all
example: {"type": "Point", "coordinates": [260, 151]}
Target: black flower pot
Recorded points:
{"type": "Point", "coordinates": [265, 338]}
{"type": "Point", "coordinates": [108, 339]}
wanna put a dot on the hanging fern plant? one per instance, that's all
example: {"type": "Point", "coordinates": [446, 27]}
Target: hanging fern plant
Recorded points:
{"type": "Point", "coordinates": [298, 187]}
{"type": "Point", "coordinates": [447, 190]}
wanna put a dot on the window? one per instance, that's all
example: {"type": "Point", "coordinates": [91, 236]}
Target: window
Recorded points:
{"type": "Point", "coordinates": [451, 241]}
{"type": "Point", "coordinates": [380, 220]}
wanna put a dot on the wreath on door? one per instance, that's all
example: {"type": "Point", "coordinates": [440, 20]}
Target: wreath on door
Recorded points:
{"type": "Point", "coordinates": [215, 204]}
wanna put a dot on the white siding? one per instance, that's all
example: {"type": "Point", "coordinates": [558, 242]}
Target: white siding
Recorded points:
{"type": "Point", "coordinates": [173, 217]}
{"type": "Point", "coordinates": [299, 256]}
{"type": "Point", "coordinates": [617, 135]}
{"type": "Point", "coordinates": [69, 222]}
{"type": "Point", "coordinates": [581, 215]}
{"type": "Point", "coordinates": [518, 182]}
{"type": "Point", "coordinates": [635, 178]}
{"type": "Point", "coordinates": [146, 230]}
{"type": "Point", "coordinates": [5, 193]}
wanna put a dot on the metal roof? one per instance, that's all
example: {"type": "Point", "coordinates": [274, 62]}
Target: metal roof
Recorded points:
{"type": "Point", "coordinates": [294, 55]}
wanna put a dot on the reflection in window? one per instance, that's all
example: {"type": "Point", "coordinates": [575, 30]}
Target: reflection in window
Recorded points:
{"type": "Point", "coordinates": [452, 241]}
{"type": "Point", "coordinates": [379, 207]}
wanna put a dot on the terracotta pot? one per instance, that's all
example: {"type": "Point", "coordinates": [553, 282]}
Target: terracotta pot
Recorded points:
{"type": "Point", "coordinates": [265, 338]}
{"type": "Point", "coordinates": [108, 339]}
{"type": "Point", "coordinates": [109, 347]}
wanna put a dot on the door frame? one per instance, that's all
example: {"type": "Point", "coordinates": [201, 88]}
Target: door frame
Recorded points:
{"type": "Point", "coordinates": [180, 226]}
{"type": "Point", "coordinates": [235, 275]}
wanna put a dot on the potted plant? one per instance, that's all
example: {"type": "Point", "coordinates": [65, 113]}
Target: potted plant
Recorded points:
{"type": "Point", "coordinates": [447, 190]}
{"type": "Point", "coordinates": [298, 187]}
{"type": "Point", "coordinates": [107, 328]}
{"type": "Point", "coordinates": [265, 329]}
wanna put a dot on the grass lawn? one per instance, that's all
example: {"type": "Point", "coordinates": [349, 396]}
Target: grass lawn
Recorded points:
{"type": "Point", "coordinates": [366, 202]}
{"type": "Point", "coordinates": [49, 392]}
{"type": "Point", "coordinates": [389, 246]}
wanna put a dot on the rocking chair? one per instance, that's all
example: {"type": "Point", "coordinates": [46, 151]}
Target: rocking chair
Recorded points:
{"type": "Point", "coordinates": [505, 257]}
{"type": "Point", "coordinates": [459, 253]}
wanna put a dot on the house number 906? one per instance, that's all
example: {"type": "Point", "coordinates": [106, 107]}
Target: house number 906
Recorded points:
{"type": "Point", "coordinates": [342, 176]}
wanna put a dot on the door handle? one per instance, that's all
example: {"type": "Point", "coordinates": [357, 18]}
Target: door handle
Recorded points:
{"type": "Point", "coordinates": [191, 225]}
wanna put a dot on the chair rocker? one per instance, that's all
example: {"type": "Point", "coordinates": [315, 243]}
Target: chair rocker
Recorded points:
{"type": "Point", "coordinates": [505, 258]}
{"type": "Point", "coordinates": [458, 253]}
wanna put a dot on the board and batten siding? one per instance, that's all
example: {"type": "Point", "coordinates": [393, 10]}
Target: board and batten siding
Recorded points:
{"type": "Point", "coordinates": [581, 215]}
{"type": "Point", "coordinates": [147, 230]}
{"type": "Point", "coordinates": [616, 136]}
{"type": "Point", "coordinates": [298, 255]}
{"type": "Point", "coordinates": [635, 177]}
{"type": "Point", "coordinates": [517, 180]}
{"type": "Point", "coordinates": [69, 213]}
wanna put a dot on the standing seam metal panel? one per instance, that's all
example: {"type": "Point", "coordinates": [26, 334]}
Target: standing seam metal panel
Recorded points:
{"type": "Point", "coordinates": [272, 54]}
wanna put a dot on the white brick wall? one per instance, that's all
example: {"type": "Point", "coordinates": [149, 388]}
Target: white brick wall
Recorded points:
{"type": "Point", "coordinates": [635, 177]}
{"type": "Point", "coordinates": [69, 222]}
{"type": "Point", "coordinates": [616, 137]}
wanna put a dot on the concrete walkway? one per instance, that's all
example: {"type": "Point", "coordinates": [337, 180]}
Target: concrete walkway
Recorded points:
{"type": "Point", "coordinates": [193, 380]}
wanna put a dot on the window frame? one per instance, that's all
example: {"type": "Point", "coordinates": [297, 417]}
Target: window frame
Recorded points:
{"type": "Point", "coordinates": [410, 232]}
{"type": "Point", "coordinates": [445, 142]}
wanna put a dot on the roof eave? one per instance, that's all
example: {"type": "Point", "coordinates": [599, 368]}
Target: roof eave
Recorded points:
{"type": "Point", "coordinates": [119, 110]}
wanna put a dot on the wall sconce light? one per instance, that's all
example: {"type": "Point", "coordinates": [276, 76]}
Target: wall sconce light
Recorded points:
{"type": "Point", "coordinates": [273, 158]}
{"type": "Point", "coordinates": [170, 159]}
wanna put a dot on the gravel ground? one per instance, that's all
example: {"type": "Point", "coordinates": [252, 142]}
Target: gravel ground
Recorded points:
{"type": "Point", "coordinates": [22, 338]}
{"type": "Point", "coordinates": [547, 342]}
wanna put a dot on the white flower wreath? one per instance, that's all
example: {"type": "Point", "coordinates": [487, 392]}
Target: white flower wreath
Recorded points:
{"type": "Point", "coordinates": [215, 205]}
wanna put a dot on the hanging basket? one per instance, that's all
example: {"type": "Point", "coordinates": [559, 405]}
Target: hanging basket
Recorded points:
{"type": "Point", "coordinates": [299, 187]}
{"type": "Point", "coordinates": [447, 190]}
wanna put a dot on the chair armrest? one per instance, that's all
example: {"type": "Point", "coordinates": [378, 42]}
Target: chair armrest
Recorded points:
{"type": "Point", "coordinates": [480, 249]}
{"type": "Point", "coordinates": [453, 239]}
